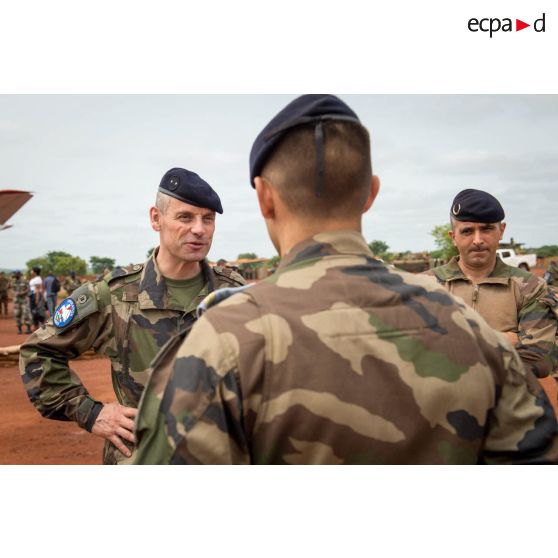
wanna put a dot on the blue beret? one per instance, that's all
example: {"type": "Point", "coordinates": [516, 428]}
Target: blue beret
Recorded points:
{"type": "Point", "coordinates": [306, 109]}
{"type": "Point", "coordinates": [188, 187]}
{"type": "Point", "coordinates": [476, 206]}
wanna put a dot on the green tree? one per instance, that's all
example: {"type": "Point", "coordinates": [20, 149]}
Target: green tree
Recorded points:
{"type": "Point", "coordinates": [546, 251]}
{"type": "Point", "coordinates": [247, 256]}
{"type": "Point", "coordinates": [378, 247]}
{"type": "Point", "coordinates": [149, 252]}
{"type": "Point", "coordinates": [98, 265]}
{"type": "Point", "coordinates": [444, 242]}
{"type": "Point", "coordinates": [272, 262]}
{"type": "Point", "coordinates": [59, 263]}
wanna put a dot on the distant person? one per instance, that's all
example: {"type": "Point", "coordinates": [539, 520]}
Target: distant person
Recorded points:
{"type": "Point", "coordinates": [51, 286]}
{"type": "Point", "coordinates": [128, 316]}
{"type": "Point", "coordinates": [337, 358]}
{"type": "Point", "coordinates": [513, 301]}
{"type": "Point", "coordinates": [4, 286]}
{"type": "Point", "coordinates": [22, 311]}
{"type": "Point", "coordinates": [36, 297]}
{"type": "Point", "coordinates": [71, 283]}
{"type": "Point", "coordinates": [551, 275]}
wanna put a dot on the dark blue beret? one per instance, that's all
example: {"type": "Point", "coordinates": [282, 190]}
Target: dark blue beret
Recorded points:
{"type": "Point", "coordinates": [188, 187]}
{"type": "Point", "coordinates": [476, 206]}
{"type": "Point", "coordinates": [306, 109]}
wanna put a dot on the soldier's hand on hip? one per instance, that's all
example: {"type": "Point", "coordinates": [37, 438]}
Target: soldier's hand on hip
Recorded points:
{"type": "Point", "coordinates": [115, 422]}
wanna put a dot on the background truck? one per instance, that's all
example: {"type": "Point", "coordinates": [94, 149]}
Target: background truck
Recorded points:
{"type": "Point", "coordinates": [524, 261]}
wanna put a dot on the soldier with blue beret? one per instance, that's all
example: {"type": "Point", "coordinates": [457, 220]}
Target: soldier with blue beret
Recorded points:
{"type": "Point", "coordinates": [512, 300]}
{"type": "Point", "coordinates": [128, 316]}
{"type": "Point", "coordinates": [337, 358]}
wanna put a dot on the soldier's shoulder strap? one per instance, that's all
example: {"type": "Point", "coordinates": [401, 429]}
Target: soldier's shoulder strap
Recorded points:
{"type": "Point", "coordinates": [126, 279]}
{"type": "Point", "coordinates": [228, 276]}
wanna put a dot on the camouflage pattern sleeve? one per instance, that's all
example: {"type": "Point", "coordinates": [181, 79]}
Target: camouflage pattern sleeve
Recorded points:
{"type": "Point", "coordinates": [52, 386]}
{"type": "Point", "coordinates": [537, 324]}
{"type": "Point", "coordinates": [191, 410]}
{"type": "Point", "coordinates": [522, 427]}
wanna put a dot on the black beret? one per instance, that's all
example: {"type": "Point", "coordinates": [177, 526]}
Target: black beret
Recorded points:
{"type": "Point", "coordinates": [303, 110]}
{"type": "Point", "coordinates": [476, 206]}
{"type": "Point", "coordinates": [188, 187]}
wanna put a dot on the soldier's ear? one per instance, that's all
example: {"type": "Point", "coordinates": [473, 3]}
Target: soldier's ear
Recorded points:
{"type": "Point", "coordinates": [502, 229]}
{"type": "Point", "coordinates": [266, 200]}
{"type": "Point", "coordinates": [155, 218]}
{"type": "Point", "coordinates": [374, 189]}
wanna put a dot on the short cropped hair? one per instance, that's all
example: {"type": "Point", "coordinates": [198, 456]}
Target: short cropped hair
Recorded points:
{"type": "Point", "coordinates": [347, 170]}
{"type": "Point", "coordinates": [162, 202]}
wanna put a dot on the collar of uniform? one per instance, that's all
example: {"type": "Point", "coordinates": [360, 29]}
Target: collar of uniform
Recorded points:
{"type": "Point", "coordinates": [499, 275]}
{"type": "Point", "coordinates": [331, 243]}
{"type": "Point", "coordinates": [153, 293]}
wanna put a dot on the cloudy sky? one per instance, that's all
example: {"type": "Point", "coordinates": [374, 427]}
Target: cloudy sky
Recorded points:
{"type": "Point", "coordinates": [94, 163]}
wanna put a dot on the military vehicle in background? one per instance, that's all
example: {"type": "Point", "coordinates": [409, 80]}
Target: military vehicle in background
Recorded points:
{"type": "Point", "coordinates": [511, 257]}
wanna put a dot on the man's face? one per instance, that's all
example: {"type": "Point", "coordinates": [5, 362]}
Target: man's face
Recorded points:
{"type": "Point", "coordinates": [477, 242]}
{"type": "Point", "coordinates": [185, 231]}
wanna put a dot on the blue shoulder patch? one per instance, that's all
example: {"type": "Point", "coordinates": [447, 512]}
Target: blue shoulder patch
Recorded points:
{"type": "Point", "coordinates": [64, 313]}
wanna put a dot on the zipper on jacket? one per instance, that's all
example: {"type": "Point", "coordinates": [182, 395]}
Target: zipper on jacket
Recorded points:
{"type": "Point", "coordinates": [475, 296]}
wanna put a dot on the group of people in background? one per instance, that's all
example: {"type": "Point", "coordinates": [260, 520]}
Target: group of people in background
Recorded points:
{"type": "Point", "coordinates": [34, 298]}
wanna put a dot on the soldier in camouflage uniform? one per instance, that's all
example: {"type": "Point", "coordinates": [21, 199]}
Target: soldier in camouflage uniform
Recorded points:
{"type": "Point", "coordinates": [22, 308]}
{"type": "Point", "coordinates": [128, 316]}
{"type": "Point", "coordinates": [4, 286]}
{"type": "Point", "coordinates": [512, 300]}
{"type": "Point", "coordinates": [71, 283]}
{"type": "Point", "coordinates": [337, 358]}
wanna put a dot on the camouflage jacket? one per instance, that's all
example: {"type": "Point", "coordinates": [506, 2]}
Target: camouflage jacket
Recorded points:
{"type": "Point", "coordinates": [4, 284]}
{"type": "Point", "coordinates": [128, 316]}
{"type": "Point", "coordinates": [510, 299]}
{"type": "Point", "coordinates": [70, 285]}
{"type": "Point", "coordinates": [21, 289]}
{"type": "Point", "coordinates": [337, 358]}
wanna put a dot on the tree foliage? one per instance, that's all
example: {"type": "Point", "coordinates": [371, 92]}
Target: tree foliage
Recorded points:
{"type": "Point", "coordinates": [546, 251]}
{"type": "Point", "coordinates": [247, 256]}
{"type": "Point", "coordinates": [59, 263]}
{"type": "Point", "coordinates": [379, 248]}
{"type": "Point", "coordinates": [444, 243]}
{"type": "Point", "coordinates": [98, 265]}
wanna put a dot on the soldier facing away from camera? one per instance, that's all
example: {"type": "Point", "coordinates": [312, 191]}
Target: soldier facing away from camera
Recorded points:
{"type": "Point", "coordinates": [337, 358]}
{"type": "Point", "coordinates": [128, 316]}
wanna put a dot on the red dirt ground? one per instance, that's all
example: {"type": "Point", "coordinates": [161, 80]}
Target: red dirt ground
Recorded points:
{"type": "Point", "coordinates": [27, 438]}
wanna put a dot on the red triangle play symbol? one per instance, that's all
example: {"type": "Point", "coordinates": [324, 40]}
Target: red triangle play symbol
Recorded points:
{"type": "Point", "coordinates": [519, 25]}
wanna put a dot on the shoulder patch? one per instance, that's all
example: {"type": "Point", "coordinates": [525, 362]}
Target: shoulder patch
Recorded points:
{"type": "Point", "coordinates": [217, 296]}
{"type": "Point", "coordinates": [74, 309]}
{"type": "Point", "coordinates": [64, 313]}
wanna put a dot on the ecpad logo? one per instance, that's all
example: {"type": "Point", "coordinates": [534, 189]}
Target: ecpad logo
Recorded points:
{"type": "Point", "coordinates": [493, 25]}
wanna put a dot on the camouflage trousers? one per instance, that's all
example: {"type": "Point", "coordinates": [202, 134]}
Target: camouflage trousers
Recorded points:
{"type": "Point", "coordinates": [22, 312]}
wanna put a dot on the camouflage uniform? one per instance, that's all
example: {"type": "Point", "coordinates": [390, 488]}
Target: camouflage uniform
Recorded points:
{"type": "Point", "coordinates": [339, 359]}
{"type": "Point", "coordinates": [128, 316]}
{"type": "Point", "coordinates": [70, 285]}
{"type": "Point", "coordinates": [4, 286]}
{"type": "Point", "coordinates": [510, 299]}
{"type": "Point", "coordinates": [22, 309]}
